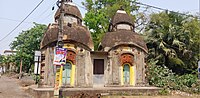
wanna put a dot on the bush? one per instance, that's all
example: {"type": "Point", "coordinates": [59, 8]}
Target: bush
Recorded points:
{"type": "Point", "coordinates": [161, 76]}
{"type": "Point", "coordinates": [36, 78]}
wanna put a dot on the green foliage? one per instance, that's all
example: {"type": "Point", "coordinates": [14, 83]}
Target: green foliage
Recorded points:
{"type": "Point", "coordinates": [26, 43]}
{"type": "Point", "coordinates": [195, 88]}
{"type": "Point", "coordinates": [164, 91]}
{"type": "Point", "coordinates": [36, 78]}
{"type": "Point", "coordinates": [173, 40]}
{"type": "Point", "coordinates": [161, 76]}
{"type": "Point", "coordinates": [7, 60]}
{"type": "Point", "coordinates": [2, 59]}
{"type": "Point", "coordinates": [100, 12]}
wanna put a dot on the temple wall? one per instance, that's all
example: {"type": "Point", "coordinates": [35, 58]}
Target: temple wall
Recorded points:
{"type": "Point", "coordinates": [114, 74]}
{"type": "Point", "coordinates": [84, 69]}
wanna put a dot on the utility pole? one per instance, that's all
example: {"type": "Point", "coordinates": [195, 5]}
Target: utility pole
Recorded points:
{"type": "Point", "coordinates": [60, 23]}
{"type": "Point", "coordinates": [61, 5]}
{"type": "Point", "coordinates": [20, 70]}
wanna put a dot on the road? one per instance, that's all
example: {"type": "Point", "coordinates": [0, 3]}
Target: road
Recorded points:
{"type": "Point", "coordinates": [9, 88]}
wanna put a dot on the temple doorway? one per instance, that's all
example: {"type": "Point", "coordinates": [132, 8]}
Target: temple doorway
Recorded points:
{"type": "Point", "coordinates": [66, 76]}
{"type": "Point", "coordinates": [126, 74]}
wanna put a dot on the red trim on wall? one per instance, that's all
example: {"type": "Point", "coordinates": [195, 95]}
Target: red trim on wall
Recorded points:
{"type": "Point", "coordinates": [71, 56]}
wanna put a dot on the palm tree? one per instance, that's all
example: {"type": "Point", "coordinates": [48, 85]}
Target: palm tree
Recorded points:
{"type": "Point", "coordinates": [169, 42]}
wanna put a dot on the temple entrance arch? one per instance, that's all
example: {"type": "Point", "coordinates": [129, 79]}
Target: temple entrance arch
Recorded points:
{"type": "Point", "coordinates": [68, 69]}
{"type": "Point", "coordinates": [128, 70]}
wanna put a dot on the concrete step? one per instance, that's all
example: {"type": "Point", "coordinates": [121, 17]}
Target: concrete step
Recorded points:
{"type": "Point", "coordinates": [97, 91]}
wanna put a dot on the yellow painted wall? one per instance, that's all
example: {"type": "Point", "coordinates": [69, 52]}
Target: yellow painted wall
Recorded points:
{"type": "Point", "coordinates": [132, 75]}
{"type": "Point", "coordinates": [69, 46]}
{"type": "Point", "coordinates": [72, 75]}
{"type": "Point", "coordinates": [122, 77]}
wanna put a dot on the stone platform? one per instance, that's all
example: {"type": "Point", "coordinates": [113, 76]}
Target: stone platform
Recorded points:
{"type": "Point", "coordinates": [100, 91]}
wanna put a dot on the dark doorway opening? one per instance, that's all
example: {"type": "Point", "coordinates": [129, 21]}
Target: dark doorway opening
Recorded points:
{"type": "Point", "coordinates": [98, 67]}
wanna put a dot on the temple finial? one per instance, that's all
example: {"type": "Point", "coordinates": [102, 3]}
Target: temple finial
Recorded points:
{"type": "Point", "coordinates": [121, 8]}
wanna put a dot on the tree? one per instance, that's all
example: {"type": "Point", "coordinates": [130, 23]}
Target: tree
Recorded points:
{"type": "Point", "coordinates": [7, 61]}
{"type": "Point", "coordinates": [100, 13]}
{"type": "Point", "coordinates": [2, 57]}
{"type": "Point", "coordinates": [173, 39]}
{"type": "Point", "coordinates": [26, 43]}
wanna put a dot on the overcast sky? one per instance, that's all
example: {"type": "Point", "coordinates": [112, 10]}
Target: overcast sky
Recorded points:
{"type": "Point", "coordinates": [14, 11]}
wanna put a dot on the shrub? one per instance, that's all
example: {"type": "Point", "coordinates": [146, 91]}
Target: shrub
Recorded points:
{"type": "Point", "coordinates": [36, 78]}
{"type": "Point", "coordinates": [161, 76]}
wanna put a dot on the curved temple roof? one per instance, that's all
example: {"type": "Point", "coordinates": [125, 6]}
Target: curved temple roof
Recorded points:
{"type": "Point", "coordinates": [122, 36]}
{"type": "Point", "coordinates": [75, 33]}
{"type": "Point", "coordinates": [70, 9]}
{"type": "Point", "coordinates": [121, 17]}
{"type": "Point", "coordinates": [112, 39]}
{"type": "Point", "coordinates": [71, 31]}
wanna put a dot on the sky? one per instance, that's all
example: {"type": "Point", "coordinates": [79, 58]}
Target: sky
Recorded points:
{"type": "Point", "coordinates": [14, 11]}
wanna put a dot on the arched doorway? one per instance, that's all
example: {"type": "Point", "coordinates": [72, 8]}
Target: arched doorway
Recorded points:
{"type": "Point", "coordinates": [66, 76]}
{"type": "Point", "coordinates": [128, 70]}
{"type": "Point", "coordinates": [126, 74]}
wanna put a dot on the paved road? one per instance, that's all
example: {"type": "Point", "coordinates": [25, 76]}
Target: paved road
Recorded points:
{"type": "Point", "coordinates": [9, 88]}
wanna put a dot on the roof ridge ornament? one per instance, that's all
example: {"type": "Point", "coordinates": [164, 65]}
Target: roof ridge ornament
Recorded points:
{"type": "Point", "coordinates": [121, 10]}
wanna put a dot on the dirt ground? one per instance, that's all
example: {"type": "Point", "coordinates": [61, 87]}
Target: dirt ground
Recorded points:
{"type": "Point", "coordinates": [10, 88]}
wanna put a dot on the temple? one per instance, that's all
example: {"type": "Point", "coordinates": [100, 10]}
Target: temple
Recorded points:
{"type": "Point", "coordinates": [119, 61]}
